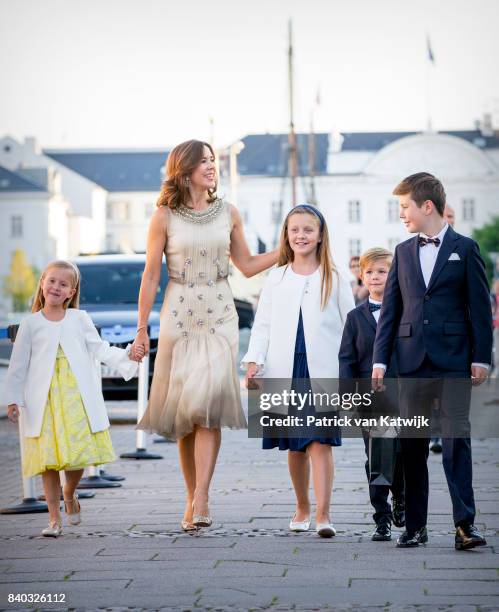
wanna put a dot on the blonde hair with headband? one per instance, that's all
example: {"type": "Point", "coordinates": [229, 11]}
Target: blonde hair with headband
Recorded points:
{"type": "Point", "coordinates": [327, 267]}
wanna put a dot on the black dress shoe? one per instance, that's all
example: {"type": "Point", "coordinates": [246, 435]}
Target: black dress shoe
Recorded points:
{"type": "Point", "coordinates": [382, 533]}
{"type": "Point", "coordinates": [436, 446]}
{"type": "Point", "coordinates": [398, 512]}
{"type": "Point", "coordinates": [468, 537]}
{"type": "Point", "coordinates": [407, 540]}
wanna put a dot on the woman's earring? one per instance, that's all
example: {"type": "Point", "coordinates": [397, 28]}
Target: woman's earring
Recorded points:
{"type": "Point", "coordinates": [187, 180]}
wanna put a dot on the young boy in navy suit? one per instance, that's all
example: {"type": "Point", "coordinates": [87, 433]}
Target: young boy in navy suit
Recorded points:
{"type": "Point", "coordinates": [436, 306]}
{"type": "Point", "coordinates": [355, 361]}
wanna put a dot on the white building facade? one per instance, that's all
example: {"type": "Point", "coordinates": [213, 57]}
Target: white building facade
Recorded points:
{"type": "Point", "coordinates": [34, 219]}
{"type": "Point", "coordinates": [354, 177]}
{"type": "Point", "coordinates": [87, 200]}
{"type": "Point", "coordinates": [355, 191]}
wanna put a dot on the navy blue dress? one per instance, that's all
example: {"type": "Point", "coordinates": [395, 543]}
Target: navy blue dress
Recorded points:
{"type": "Point", "coordinates": [302, 385]}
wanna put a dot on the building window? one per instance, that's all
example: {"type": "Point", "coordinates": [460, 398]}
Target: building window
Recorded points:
{"type": "Point", "coordinates": [109, 242]}
{"type": "Point", "coordinates": [354, 246]}
{"type": "Point", "coordinates": [393, 211]}
{"type": "Point", "coordinates": [16, 226]}
{"type": "Point", "coordinates": [276, 212]}
{"type": "Point", "coordinates": [468, 209]}
{"type": "Point", "coordinates": [354, 211]}
{"type": "Point", "coordinates": [119, 211]}
{"type": "Point", "coordinates": [149, 209]}
{"type": "Point", "coordinates": [109, 211]}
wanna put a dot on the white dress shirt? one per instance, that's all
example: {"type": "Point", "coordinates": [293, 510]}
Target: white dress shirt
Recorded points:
{"type": "Point", "coordinates": [428, 254]}
{"type": "Point", "coordinates": [376, 313]}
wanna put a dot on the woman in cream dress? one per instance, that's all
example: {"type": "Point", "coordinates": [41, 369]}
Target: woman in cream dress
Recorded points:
{"type": "Point", "coordinates": [195, 387]}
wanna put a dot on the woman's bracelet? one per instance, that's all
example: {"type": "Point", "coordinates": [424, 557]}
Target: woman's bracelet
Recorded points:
{"type": "Point", "coordinates": [141, 327]}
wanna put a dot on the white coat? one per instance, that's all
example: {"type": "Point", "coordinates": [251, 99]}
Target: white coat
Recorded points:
{"type": "Point", "coordinates": [273, 334]}
{"type": "Point", "coordinates": [33, 359]}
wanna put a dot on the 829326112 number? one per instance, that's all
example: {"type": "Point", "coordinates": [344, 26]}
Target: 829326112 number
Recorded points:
{"type": "Point", "coordinates": [37, 597]}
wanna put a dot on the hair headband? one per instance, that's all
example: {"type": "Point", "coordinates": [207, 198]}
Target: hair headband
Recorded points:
{"type": "Point", "coordinates": [311, 209]}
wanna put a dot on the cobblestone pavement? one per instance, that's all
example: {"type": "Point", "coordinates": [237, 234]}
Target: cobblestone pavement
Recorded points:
{"type": "Point", "coordinates": [130, 552]}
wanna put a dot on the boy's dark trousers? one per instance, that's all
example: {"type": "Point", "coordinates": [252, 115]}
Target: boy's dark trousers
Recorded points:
{"type": "Point", "coordinates": [378, 494]}
{"type": "Point", "coordinates": [355, 365]}
{"type": "Point", "coordinates": [418, 392]}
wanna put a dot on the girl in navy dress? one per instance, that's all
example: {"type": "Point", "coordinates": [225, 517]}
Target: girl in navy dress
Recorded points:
{"type": "Point", "coordinates": [296, 335]}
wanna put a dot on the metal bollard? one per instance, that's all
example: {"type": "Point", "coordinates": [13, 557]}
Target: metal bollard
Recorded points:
{"type": "Point", "coordinates": [142, 395]}
{"type": "Point", "coordinates": [29, 502]}
{"type": "Point", "coordinates": [93, 479]}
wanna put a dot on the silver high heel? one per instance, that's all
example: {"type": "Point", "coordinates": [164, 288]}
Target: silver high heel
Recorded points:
{"type": "Point", "coordinates": [187, 526]}
{"type": "Point", "coordinates": [299, 526]}
{"type": "Point", "coordinates": [200, 520]}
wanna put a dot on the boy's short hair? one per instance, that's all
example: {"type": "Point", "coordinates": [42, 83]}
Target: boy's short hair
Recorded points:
{"type": "Point", "coordinates": [373, 255]}
{"type": "Point", "coordinates": [423, 186]}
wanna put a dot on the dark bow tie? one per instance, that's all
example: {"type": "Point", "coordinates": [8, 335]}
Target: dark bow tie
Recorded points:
{"type": "Point", "coordinates": [424, 241]}
{"type": "Point", "coordinates": [374, 307]}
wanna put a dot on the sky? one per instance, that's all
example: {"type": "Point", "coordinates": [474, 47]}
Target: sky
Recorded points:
{"type": "Point", "coordinates": [152, 73]}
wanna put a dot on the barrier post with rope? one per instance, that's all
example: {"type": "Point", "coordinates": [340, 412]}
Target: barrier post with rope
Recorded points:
{"type": "Point", "coordinates": [140, 451]}
{"type": "Point", "coordinates": [29, 503]}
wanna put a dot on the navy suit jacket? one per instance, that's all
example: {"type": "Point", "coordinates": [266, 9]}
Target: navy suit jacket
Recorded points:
{"type": "Point", "coordinates": [356, 350]}
{"type": "Point", "coordinates": [450, 321]}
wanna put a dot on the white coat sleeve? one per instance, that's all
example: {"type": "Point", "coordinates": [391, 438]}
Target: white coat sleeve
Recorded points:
{"type": "Point", "coordinates": [260, 332]}
{"type": "Point", "coordinates": [112, 356]}
{"type": "Point", "coordinates": [346, 303]}
{"type": "Point", "coordinates": [18, 367]}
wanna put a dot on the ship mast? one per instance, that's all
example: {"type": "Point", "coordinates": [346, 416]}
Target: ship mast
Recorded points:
{"type": "Point", "coordinates": [292, 160]}
{"type": "Point", "coordinates": [311, 161]}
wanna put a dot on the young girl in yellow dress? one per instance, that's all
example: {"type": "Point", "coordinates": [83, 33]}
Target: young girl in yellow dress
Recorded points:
{"type": "Point", "coordinates": [52, 384]}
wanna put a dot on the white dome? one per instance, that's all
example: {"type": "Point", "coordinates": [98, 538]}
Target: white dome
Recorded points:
{"type": "Point", "coordinates": [447, 157]}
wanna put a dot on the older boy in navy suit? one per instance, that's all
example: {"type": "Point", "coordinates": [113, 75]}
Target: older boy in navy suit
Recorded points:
{"type": "Point", "coordinates": [355, 361]}
{"type": "Point", "coordinates": [436, 305]}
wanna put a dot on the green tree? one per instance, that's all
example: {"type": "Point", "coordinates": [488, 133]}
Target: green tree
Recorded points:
{"type": "Point", "coordinates": [20, 284]}
{"type": "Point", "coordinates": [488, 241]}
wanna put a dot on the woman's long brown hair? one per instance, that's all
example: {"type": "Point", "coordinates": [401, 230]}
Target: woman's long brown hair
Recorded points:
{"type": "Point", "coordinates": [326, 265]}
{"type": "Point", "coordinates": [181, 162]}
{"type": "Point", "coordinates": [74, 302]}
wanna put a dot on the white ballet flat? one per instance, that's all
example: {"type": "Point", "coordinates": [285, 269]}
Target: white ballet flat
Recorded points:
{"type": "Point", "coordinates": [325, 530]}
{"type": "Point", "coordinates": [53, 530]}
{"type": "Point", "coordinates": [298, 526]}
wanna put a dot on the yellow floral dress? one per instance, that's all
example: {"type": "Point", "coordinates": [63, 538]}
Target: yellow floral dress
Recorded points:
{"type": "Point", "coordinates": [66, 441]}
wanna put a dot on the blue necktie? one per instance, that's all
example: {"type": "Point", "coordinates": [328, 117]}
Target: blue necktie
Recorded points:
{"type": "Point", "coordinates": [374, 307]}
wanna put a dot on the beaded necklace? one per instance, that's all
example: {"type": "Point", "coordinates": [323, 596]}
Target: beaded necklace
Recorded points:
{"type": "Point", "coordinates": [199, 216]}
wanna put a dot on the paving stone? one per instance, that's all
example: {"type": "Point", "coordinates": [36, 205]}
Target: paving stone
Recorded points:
{"type": "Point", "coordinates": [130, 553]}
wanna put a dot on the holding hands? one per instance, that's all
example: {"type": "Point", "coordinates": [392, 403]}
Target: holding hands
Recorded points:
{"type": "Point", "coordinates": [252, 372]}
{"type": "Point", "coordinates": [478, 375]}
{"type": "Point", "coordinates": [13, 413]}
{"type": "Point", "coordinates": [140, 346]}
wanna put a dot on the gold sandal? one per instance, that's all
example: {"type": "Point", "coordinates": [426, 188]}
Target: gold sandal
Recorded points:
{"type": "Point", "coordinates": [74, 518]}
{"type": "Point", "coordinates": [54, 530]}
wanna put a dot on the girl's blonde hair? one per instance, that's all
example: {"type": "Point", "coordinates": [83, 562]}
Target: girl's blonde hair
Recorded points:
{"type": "Point", "coordinates": [73, 302]}
{"type": "Point", "coordinates": [182, 161]}
{"type": "Point", "coordinates": [326, 265]}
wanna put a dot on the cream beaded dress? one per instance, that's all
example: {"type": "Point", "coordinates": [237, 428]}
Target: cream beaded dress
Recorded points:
{"type": "Point", "coordinates": [195, 378]}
